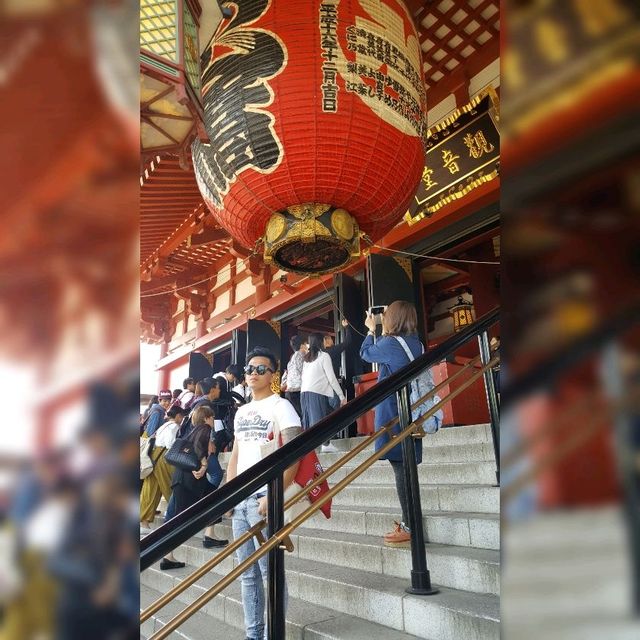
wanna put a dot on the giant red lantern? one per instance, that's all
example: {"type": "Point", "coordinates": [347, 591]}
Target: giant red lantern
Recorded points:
{"type": "Point", "coordinates": [315, 111]}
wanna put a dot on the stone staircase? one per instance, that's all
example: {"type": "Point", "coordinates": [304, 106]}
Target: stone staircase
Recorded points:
{"type": "Point", "coordinates": [345, 585]}
{"type": "Point", "coordinates": [568, 576]}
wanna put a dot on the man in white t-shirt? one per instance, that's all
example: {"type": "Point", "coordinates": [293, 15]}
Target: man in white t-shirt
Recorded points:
{"type": "Point", "coordinates": [253, 424]}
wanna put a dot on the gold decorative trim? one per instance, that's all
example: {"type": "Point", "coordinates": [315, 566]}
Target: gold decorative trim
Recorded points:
{"type": "Point", "coordinates": [430, 210]}
{"type": "Point", "coordinates": [308, 230]}
{"type": "Point", "coordinates": [306, 224]}
{"type": "Point", "coordinates": [275, 227]}
{"type": "Point", "coordinates": [275, 325]}
{"type": "Point", "coordinates": [447, 122]}
{"type": "Point", "coordinates": [342, 224]}
{"type": "Point", "coordinates": [304, 211]}
{"type": "Point", "coordinates": [275, 383]}
{"type": "Point", "coordinates": [405, 263]}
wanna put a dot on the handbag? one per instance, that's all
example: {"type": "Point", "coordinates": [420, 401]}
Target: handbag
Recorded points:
{"type": "Point", "coordinates": [419, 388]}
{"type": "Point", "coordinates": [308, 470]}
{"type": "Point", "coordinates": [183, 455]}
{"type": "Point", "coordinates": [146, 462]}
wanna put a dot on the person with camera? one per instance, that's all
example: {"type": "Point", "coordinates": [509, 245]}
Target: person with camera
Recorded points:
{"type": "Point", "coordinates": [399, 323]}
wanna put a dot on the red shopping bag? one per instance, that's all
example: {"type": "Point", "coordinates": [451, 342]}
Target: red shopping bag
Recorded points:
{"type": "Point", "coordinates": [308, 470]}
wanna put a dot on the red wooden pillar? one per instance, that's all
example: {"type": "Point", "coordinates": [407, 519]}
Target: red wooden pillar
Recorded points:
{"type": "Point", "coordinates": [262, 283]}
{"type": "Point", "coordinates": [483, 281]}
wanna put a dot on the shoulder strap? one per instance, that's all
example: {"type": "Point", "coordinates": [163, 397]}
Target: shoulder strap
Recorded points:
{"type": "Point", "coordinates": [161, 428]}
{"type": "Point", "coordinates": [405, 346]}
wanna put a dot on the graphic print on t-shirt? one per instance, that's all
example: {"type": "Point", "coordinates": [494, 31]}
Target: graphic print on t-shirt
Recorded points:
{"type": "Point", "coordinates": [254, 423]}
{"type": "Point", "coordinates": [250, 425]}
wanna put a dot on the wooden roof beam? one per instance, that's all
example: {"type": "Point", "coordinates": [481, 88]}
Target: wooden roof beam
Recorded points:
{"type": "Point", "coordinates": [414, 6]}
{"type": "Point", "coordinates": [457, 82]}
{"type": "Point", "coordinates": [180, 235]}
{"type": "Point", "coordinates": [207, 236]}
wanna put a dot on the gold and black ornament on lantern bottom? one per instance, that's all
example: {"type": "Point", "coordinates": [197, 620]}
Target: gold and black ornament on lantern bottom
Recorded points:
{"type": "Point", "coordinates": [311, 238]}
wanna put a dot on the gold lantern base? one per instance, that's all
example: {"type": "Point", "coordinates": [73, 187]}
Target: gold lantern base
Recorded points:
{"type": "Point", "coordinates": [311, 239]}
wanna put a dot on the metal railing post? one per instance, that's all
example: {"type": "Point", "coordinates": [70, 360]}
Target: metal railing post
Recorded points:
{"type": "Point", "coordinates": [420, 577]}
{"type": "Point", "coordinates": [492, 399]}
{"type": "Point", "coordinates": [275, 561]}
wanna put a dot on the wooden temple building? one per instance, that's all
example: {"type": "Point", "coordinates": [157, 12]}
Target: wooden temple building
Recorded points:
{"type": "Point", "coordinates": [203, 292]}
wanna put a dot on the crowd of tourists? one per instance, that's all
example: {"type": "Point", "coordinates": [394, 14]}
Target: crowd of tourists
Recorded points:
{"type": "Point", "coordinates": [69, 566]}
{"type": "Point", "coordinates": [238, 410]}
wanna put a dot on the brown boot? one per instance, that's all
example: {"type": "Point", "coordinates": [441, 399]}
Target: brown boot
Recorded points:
{"type": "Point", "coordinates": [399, 537]}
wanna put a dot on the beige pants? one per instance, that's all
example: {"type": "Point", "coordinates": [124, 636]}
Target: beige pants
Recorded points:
{"type": "Point", "coordinates": [31, 614]}
{"type": "Point", "coordinates": [156, 485]}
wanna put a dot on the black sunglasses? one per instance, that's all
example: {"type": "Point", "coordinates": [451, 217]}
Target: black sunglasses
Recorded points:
{"type": "Point", "coordinates": [260, 369]}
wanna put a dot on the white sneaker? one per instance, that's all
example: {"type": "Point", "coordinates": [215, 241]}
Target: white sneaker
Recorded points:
{"type": "Point", "coordinates": [329, 448]}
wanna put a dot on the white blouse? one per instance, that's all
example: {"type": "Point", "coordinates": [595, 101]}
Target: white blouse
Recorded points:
{"type": "Point", "coordinates": [318, 377]}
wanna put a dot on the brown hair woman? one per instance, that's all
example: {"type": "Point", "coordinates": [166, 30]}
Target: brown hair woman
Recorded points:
{"type": "Point", "coordinates": [399, 324]}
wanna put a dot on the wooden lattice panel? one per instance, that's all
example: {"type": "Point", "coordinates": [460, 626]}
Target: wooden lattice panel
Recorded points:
{"type": "Point", "coordinates": [191, 56]}
{"type": "Point", "coordinates": [159, 28]}
{"type": "Point", "coordinates": [451, 31]}
{"type": "Point", "coordinates": [202, 256]}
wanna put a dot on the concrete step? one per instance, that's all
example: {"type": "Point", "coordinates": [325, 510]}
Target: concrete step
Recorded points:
{"type": "Point", "coordinates": [222, 618]}
{"type": "Point", "coordinates": [449, 436]}
{"type": "Point", "coordinates": [479, 472]}
{"type": "Point", "coordinates": [483, 472]}
{"type": "Point", "coordinates": [468, 434]}
{"type": "Point", "coordinates": [569, 576]}
{"type": "Point", "coordinates": [199, 627]}
{"type": "Point", "coordinates": [475, 472]}
{"type": "Point", "coordinates": [375, 598]}
{"type": "Point", "coordinates": [444, 497]}
{"type": "Point", "coordinates": [462, 568]}
{"type": "Point", "coordinates": [460, 529]}
{"type": "Point", "coordinates": [476, 452]}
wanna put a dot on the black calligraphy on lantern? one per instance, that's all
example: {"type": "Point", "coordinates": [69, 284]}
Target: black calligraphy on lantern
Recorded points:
{"type": "Point", "coordinates": [235, 89]}
{"type": "Point", "coordinates": [386, 74]}
{"type": "Point", "coordinates": [329, 45]}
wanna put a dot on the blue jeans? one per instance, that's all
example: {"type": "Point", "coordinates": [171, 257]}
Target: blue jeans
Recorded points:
{"type": "Point", "coordinates": [245, 516]}
{"type": "Point", "coordinates": [171, 508]}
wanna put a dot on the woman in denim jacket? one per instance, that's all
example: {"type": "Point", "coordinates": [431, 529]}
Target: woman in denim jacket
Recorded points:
{"type": "Point", "coordinates": [398, 321]}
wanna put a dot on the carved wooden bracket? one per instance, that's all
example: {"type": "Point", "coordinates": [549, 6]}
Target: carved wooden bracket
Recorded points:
{"type": "Point", "coordinates": [262, 283]}
{"type": "Point", "coordinates": [238, 251]}
{"type": "Point", "coordinates": [158, 313]}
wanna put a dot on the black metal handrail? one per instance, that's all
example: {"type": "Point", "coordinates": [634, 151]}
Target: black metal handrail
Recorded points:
{"type": "Point", "coordinates": [187, 523]}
